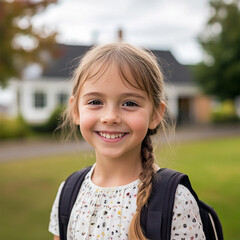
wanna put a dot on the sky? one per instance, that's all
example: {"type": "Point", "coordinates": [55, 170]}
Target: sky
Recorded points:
{"type": "Point", "coordinates": [172, 25]}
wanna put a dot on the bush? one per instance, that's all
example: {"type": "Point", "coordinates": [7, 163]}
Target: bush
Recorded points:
{"type": "Point", "coordinates": [225, 113]}
{"type": "Point", "coordinates": [51, 124]}
{"type": "Point", "coordinates": [13, 127]}
{"type": "Point", "coordinates": [54, 120]}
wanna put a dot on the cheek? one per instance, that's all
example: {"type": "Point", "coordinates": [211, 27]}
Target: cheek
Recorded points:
{"type": "Point", "coordinates": [87, 121]}
{"type": "Point", "coordinates": [138, 124]}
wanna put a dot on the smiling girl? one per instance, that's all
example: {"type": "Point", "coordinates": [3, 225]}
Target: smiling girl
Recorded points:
{"type": "Point", "coordinates": [118, 100]}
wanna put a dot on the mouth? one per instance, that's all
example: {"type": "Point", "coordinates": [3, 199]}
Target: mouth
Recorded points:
{"type": "Point", "coordinates": [109, 135]}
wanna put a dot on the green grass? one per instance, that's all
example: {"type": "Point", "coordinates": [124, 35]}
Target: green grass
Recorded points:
{"type": "Point", "coordinates": [28, 188]}
{"type": "Point", "coordinates": [214, 170]}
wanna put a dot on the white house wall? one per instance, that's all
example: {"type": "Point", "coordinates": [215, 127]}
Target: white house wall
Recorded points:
{"type": "Point", "coordinates": [174, 92]}
{"type": "Point", "coordinates": [8, 99]}
{"type": "Point", "coordinates": [51, 88]}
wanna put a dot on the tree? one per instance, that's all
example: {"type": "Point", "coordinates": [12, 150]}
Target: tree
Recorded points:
{"type": "Point", "coordinates": [15, 30]}
{"type": "Point", "coordinates": [219, 73]}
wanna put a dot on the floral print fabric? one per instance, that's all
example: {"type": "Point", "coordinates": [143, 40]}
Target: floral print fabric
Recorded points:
{"type": "Point", "coordinates": [105, 213]}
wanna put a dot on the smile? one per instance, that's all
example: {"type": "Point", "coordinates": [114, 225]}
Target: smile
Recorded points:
{"type": "Point", "coordinates": [111, 135]}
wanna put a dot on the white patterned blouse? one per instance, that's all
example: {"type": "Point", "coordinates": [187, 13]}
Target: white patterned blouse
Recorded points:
{"type": "Point", "coordinates": [105, 213]}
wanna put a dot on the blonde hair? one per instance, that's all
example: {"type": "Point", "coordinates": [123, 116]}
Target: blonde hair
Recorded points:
{"type": "Point", "coordinates": [145, 71]}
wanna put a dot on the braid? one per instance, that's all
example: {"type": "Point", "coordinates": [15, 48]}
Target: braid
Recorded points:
{"type": "Point", "coordinates": [145, 186]}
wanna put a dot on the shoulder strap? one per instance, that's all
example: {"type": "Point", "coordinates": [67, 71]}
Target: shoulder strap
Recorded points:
{"type": "Point", "coordinates": [67, 199]}
{"type": "Point", "coordinates": [156, 218]}
{"type": "Point", "coordinates": [211, 224]}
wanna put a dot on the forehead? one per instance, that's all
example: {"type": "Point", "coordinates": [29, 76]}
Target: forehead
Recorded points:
{"type": "Point", "coordinates": [111, 72]}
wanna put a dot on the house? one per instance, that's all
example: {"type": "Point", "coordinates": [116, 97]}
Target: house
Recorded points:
{"type": "Point", "coordinates": [38, 96]}
{"type": "Point", "coordinates": [186, 102]}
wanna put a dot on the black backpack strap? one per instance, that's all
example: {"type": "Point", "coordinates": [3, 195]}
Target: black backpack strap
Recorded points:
{"type": "Point", "coordinates": [67, 199]}
{"type": "Point", "coordinates": [156, 218]}
{"type": "Point", "coordinates": [212, 227]}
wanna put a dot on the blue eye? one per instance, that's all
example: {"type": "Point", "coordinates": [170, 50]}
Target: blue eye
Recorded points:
{"type": "Point", "coordinates": [95, 102]}
{"type": "Point", "coordinates": [130, 104]}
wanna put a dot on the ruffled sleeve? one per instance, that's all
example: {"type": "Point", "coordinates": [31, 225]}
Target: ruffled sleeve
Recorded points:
{"type": "Point", "coordinates": [186, 222]}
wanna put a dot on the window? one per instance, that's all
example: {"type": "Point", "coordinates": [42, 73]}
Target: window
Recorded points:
{"type": "Point", "coordinates": [40, 99]}
{"type": "Point", "coordinates": [62, 98]}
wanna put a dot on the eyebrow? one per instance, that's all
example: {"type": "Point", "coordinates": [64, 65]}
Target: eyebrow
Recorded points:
{"type": "Point", "coordinates": [136, 95]}
{"type": "Point", "coordinates": [125, 95]}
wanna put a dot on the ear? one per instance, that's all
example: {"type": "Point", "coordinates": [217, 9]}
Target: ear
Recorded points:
{"type": "Point", "coordinates": [74, 110]}
{"type": "Point", "coordinates": [157, 115]}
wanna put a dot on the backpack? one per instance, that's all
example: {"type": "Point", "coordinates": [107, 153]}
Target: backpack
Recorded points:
{"type": "Point", "coordinates": [156, 218]}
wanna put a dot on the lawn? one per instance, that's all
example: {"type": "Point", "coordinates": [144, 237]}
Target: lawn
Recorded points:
{"type": "Point", "coordinates": [28, 187]}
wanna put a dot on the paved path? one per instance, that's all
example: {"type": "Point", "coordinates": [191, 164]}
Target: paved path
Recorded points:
{"type": "Point", "coordinates": [206, 132]}
{"type": "Point", "coordinates": [17, 150]}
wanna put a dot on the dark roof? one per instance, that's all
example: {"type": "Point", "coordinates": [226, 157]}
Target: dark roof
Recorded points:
{"type": "Point", "coordinates": [173, 71]}
{"type": "Point", "coordinates": [68, 56]}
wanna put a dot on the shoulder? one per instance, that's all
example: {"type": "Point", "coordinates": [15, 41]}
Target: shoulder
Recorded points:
{"type": "Point", "coordinates": [58, 194]}
{"type": "Point", "coordinates": [184, 194]}
{"type": "Point", "coordinates": [185, 201]}
{"type": "Point", "coordinates": [53, 224]}
{"type": "Point", "coordinates": [186, 221]}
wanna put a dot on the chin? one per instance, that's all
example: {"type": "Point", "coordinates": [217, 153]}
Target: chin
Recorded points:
{"type": "Point", "coordinates": [112, 154]}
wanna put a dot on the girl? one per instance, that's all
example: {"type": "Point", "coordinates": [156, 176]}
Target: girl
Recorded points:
{"type": "Point", "coordinates": [118, 101]}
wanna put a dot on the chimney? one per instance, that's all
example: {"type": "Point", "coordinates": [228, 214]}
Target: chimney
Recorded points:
{"type": "Point", "coordinates": [120, 35]}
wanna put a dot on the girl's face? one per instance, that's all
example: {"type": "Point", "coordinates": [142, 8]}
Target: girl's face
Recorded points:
{"type": "Point", "coordinates": [114, 116]}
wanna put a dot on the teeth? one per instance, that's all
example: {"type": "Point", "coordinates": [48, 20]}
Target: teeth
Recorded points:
{"type": "Point", "coordinates": [111, 136]}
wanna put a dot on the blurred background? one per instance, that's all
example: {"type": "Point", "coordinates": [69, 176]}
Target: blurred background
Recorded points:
{"type": "Point", "coordinates": [197, 44]}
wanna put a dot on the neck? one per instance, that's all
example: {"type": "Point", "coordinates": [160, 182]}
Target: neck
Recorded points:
{"type": "Point", "coordinates": [116, 172]}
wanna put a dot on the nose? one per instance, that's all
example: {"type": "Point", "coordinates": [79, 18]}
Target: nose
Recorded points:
{"type": "Point", "coordinates": [111, 116]}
